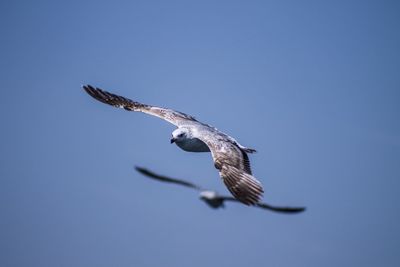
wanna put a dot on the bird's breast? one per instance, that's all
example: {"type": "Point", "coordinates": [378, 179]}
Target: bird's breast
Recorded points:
{"type": "Point", "coordinates": [193, 145]}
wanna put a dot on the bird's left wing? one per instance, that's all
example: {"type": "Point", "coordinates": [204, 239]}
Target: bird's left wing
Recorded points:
{"type": "Point", "coordinates": [163, 178]}
{"type": "Point", "coordinates": [175, 117]}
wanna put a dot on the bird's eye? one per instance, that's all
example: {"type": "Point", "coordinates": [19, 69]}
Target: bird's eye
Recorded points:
{"type": "Point", "coordinates": [180, 135]}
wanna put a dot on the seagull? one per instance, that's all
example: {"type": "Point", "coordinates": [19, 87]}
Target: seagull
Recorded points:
{"type": "Point", "coordinates": [212, 198]}
{"type": "Point", "coordinates": [230, 157]}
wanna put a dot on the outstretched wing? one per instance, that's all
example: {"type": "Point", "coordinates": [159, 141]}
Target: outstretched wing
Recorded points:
{"type": "Point", "coordinates": [234, 167]}
{"type": "Point", "coordinates": [281, 209]}
{"type": "Point", "coordinates": [269, 207]}
{"type": "Point", "coordinates": [162, 178]}
{"type": "Point", "coordinates": [175, 117]}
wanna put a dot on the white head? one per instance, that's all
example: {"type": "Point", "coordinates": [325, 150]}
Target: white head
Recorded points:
{"type": "Point", "coordinates": [209, 195]}
{"type": "Point", "coordinates": [180, 135]}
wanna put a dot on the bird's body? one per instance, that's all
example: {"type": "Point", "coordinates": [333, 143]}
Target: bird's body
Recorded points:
{"type": "Point", "coordinates": [212, 199]}
{"type": "Point", "coordinates": [192, 145]}
{"type": "Point", "coordinates": [230, 158]}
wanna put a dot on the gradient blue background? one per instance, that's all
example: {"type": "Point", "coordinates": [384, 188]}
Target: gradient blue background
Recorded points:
{"type": "Point", "coordinates": [314, 87]}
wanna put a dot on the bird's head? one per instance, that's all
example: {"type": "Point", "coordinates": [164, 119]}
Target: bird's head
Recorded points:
{"type": "Point", "coordinates": [180, 134]}
{"type": "Point", "coordinates": [209, 195]}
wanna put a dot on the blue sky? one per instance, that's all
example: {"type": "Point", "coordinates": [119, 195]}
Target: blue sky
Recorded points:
{"type": "Point", "coordinates": [314, 87]}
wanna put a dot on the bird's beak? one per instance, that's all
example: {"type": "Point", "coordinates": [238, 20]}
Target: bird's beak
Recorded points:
{"type": "Point", "coordinates": [172, 140]}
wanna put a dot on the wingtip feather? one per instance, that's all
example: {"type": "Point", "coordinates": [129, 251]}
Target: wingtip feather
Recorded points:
{"type": "Point", "coordinates": [244, 187]}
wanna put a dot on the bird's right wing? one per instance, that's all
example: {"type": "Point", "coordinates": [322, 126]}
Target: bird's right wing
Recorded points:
{"type": "Point", "coordinates": [163, 178]}
{"type": "Point", "coordinates": [270, 207]}
{"type": "Point", "coordinates": [175, 117]}
{"type": "Point", "coordinates": [281, 209]}
{"type": "Point", "coordinates": [233, 165]}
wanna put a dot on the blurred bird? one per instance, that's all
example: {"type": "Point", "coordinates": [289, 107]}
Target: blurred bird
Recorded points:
{"type": "Point", "coordinates": [230, 157]}
{"type": "Point", "coordinates": [211, 197]}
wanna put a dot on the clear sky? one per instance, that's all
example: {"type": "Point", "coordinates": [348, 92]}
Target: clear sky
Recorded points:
{"type": "Point", "coordinates": [314, 86]}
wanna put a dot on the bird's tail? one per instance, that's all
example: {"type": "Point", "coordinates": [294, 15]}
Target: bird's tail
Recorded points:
{"type": "Point", "coordinates": [245, 149]}
{"type": "Point", "coordinates": [249, 150]}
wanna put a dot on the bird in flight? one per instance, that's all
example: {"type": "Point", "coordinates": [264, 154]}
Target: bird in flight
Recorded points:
{"type": "Point", "coordinates": [212, 198]}
{"type": "Point", "coordinates": [230, 157]}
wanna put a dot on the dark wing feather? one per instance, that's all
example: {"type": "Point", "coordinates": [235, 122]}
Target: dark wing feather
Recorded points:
{"type": "Point", "coordinates": [281, 209]}
{"type": "Point", "coordinates": [269, 207]}
{"type": "Point", "coordinates": [165, 178]}
{"type": "Point", "coordinates": [175, 117]}
{"type": "Point", "coordinates": [246, 162]}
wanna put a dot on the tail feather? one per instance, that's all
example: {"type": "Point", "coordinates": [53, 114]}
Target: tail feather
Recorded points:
{"type": "Point", "coordinates": [247, 149]}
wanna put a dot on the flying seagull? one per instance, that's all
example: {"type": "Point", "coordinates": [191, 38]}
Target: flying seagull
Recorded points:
{"type": "Point", "coordinates": [230, 158]}
{"type": "Point", "coordinates": [212, 198]}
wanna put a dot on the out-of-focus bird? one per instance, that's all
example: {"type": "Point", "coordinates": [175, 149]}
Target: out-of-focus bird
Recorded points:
{"type": "Point", "coordinates": [212, 198]}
